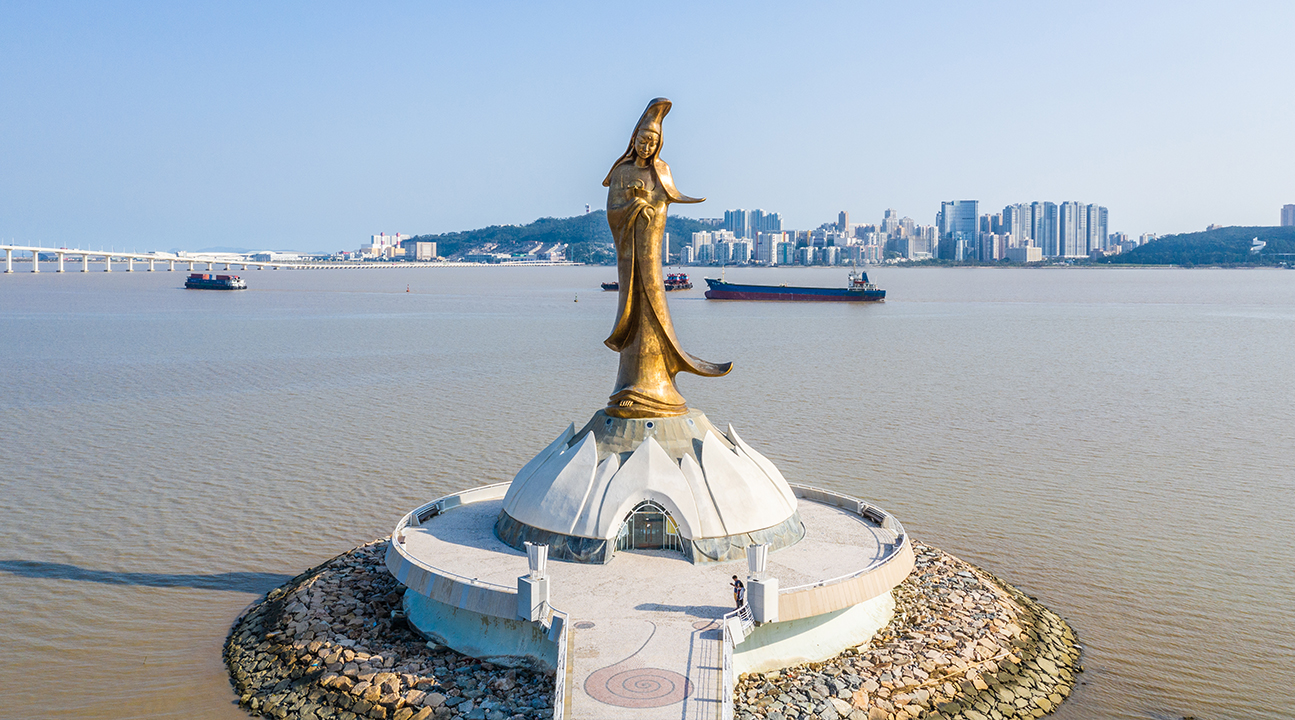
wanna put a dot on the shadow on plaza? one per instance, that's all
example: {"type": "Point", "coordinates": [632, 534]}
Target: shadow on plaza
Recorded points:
{"type": "Point", "coordinates": [245, 582]}
{"type": "Point", "coordinates": [701, 611]}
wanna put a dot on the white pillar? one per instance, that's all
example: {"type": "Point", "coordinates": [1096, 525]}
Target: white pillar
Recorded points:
{"type": "Point", "coordinates": [761, 590]}
{"type": "Point", "coordinates": [762, 597]}
{"type": "Point", "coordinates": [172, 265]}
{"type": "Point", "coordinates": [8, 260]}
{"type": "Point", "coordinates": [190, 266]}
{"type": "Point", "coordinates": [85, 263]}
{"type": "Point", "coordinates": [35, 261]}
{"type": "Point", "coordinates": [107, 263]}
{"type": "Point", "coordinates": [150, 264]}
{"type": "Point", "coordinates": [60, 261]}
{"type": "Point", "coordinates": [533, 588]}
{"type": "Point", "coordinates": [130, 263]}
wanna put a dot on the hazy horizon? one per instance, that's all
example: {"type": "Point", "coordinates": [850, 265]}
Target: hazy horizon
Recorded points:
{"type": "Point", "coordinates": [314, 126]}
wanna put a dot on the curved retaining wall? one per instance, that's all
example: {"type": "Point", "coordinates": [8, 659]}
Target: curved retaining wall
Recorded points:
{"type": "Point", "coordinates": [835, 594]}
{"type": "Point", "coordinates": [447, 597]}
{"type": "Point", "coordinates": [444, 586]}
{"type": "Point", "coordinates": [822, 598]}
{"type": "Point", "coordinates": [963, 645]}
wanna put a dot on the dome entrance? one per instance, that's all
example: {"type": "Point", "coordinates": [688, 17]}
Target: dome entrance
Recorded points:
{"type": "Point", "coordinates": [649, 527]}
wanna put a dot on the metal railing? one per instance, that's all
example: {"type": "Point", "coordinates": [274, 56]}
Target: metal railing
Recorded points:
{"type": "Point", "coordinates": [745, 624]}
{"type": "Point", "coordinates": [430, 510]}
{"type": "Point", "coordinates": [728, 683]}
{"type": "Point", "coordinates": [742, 615]}
{"type": "Point", "coordinates": [558, 634]}
{"type": "Point", "coordinates": [862, 508]}
{"type": "Point", "coordinates": [555, 621]}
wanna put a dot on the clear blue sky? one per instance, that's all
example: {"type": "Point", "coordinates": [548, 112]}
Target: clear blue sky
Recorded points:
{"type": "Point", "coordinates": [314, 125]}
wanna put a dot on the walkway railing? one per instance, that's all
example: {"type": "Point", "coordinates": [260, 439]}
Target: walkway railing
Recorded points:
{"type": "Point", "coordinates": [502, 607]}
{"type": "Point", "coordinates": [862, 508]}
{"type": "Point", "coordinates": [738, 625]}
{"type": "Point", "coordinates": [558, 634]}
{"type": "Point", "coordinates": [555, 621]}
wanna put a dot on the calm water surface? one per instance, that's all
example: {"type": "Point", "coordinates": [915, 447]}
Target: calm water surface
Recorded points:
{"type": "Point", "coordinates": [1119, 443]}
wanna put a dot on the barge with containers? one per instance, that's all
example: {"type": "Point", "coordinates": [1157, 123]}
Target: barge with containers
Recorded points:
{"type": "Point", "coordinates": [206, 281]}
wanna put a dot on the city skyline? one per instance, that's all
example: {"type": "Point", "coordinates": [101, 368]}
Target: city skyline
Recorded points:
{"type": "Point", "coordinates": [304, 127]}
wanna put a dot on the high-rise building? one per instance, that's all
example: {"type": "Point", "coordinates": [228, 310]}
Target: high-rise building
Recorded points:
{"type": "Point", "coordinates": [992, 247]}
{"type": "Point", "coordinates": [1072, 236]}
{"type": "Point", "coordinates": [843, 221]}
{"type": "Point", "coordinates": [760, 221]}
{"type": "Point", "coordinates": [1044, 217]}
{"type": "Point", "coordinates": [744, 224]}
{"type": "Point", "coordinates": [1288, 215]}
{"type": "Point", "coordinates": [1018, 221]}
{"type": "Point", "coordinates": [785, 253]}
{"type": "Point", "coordinates": [958, 222]}
{"type": "Point", "coordinates": [766, 244]}
{"type": "Point", "coordinates": [1097, 221]}
{"type": "Point", "coordinates": [737, 222]}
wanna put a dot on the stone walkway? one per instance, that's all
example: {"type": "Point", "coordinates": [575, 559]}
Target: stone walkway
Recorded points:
{"type": "Point", "coordinates": [645, 641]}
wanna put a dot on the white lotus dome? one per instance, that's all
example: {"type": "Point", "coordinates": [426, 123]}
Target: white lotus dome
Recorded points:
{"type": "Point", "coordinates": [717, 494]}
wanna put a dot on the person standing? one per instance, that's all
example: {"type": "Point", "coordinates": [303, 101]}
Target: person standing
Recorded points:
{"type": "Point", "coordinates": [739, 592]}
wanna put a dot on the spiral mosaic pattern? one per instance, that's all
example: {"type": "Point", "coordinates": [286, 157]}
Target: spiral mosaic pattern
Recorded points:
{"type": "Point", "coordinates": [641, 687]}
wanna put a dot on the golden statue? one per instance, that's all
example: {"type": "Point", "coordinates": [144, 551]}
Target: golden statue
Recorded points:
{"type": "Point", "coordinates": [640, 188]}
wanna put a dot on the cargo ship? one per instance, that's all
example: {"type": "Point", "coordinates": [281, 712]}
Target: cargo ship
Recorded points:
{"type": "Point", "coordinates": [857, 289]}
{"type": "Point", "coordinates": [205, 281]}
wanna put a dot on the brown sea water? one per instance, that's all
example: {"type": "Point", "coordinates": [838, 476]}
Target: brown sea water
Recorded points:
{"type": "Point", "coordinates": [1119, 443]}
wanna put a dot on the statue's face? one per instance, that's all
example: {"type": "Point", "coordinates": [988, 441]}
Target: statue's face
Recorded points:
{"type": "Point", "coordinates": [645, 143]}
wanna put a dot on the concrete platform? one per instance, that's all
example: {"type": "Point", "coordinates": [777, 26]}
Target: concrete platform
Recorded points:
{"type": "Point", "coordinates": [643, 636]}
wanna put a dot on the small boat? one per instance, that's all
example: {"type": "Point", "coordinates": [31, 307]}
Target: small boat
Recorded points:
{"type": "Point", "coordinates": [612, 286]}
{"type": "Point", "coordinates": [677, 281]}
{"type": "Point", "coordinates": [858, 289]}
{"type": "Point", "coordinates": [205, 281]}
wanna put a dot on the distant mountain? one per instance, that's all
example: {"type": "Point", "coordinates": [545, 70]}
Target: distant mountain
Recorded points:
{"type": "Point", "coordinates": [588, 235]}
{"type": "Point", "coordinates": [1221, 246]}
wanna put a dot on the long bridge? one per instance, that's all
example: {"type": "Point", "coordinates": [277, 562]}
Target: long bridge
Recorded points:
{"type": "Point", "coordinates": [212, 260]}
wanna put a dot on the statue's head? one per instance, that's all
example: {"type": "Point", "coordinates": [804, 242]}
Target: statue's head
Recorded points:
{"type": "Point", "coordinates": [645, 150]}
{"type": "Point", "coordinates": [646, 143]}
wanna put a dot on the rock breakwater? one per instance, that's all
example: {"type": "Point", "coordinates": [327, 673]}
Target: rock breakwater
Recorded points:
{"type": "Point", "coordinates": [331, 644]}
{"type": "Point", "coordinates": [963, 645]}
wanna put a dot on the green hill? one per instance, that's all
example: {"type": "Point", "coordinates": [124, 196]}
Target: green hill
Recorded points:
{"type": "Point", "coordinates": [1221, 246]}
{"type": "Point", "coordinates": [589, 237]}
